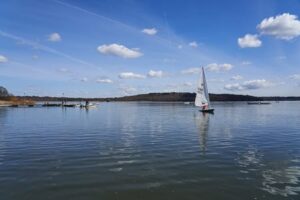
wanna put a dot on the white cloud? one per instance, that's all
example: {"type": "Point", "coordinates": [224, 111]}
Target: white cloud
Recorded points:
{"type": "Point", "coordinates": [295, 76]}
{"type": "Point", "coordinates": [193, 44]}
{"type": "Point", "coordinates": [179, 46]}
{"type": "Point", "coordinates": [104, 80]}
{"type": "Point", "coordinates": [248, 85]}
{"type": "Point", "coordinates": [233, 87]}
{"type": "Point", "coordinates": [249, 41]}
{"type": "Point", "coordinates": [256, 84]}
{"type": "Point", "coordinates": [119, 50]}
{"type": "Point", "coordinates": [156, 74]}
{"type": "Point", "coordinates": [214, 67]}
{"type": "Point", "coordinates": [127, 90]}
{"type": "Point", "coordinates": [150, 31]}
{"type": "Point", "coordinates": [284, 26]}
{"type": "Point", "coordinates": [54, 37]}
{"type": "Point", "coordinates": [194, 70]}
{"type": "Point", "coordinates": [84, 79]}
{"type": "Point", "coordinates": [131, 75]}
{"type": "Point", "coordinates": [187, 84]}
{"type": "Point", "coordinates": [237, 77]}
{"type": "Point", "coordinates": [246, 62]}
{"type": "Point", "coordinates": [3, 59]}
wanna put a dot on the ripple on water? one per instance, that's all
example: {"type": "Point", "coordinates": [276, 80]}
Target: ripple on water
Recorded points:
{"type": "Point", "coordinates": [151, 151]}
{"type": "Point", "coordinates": [283, 182]}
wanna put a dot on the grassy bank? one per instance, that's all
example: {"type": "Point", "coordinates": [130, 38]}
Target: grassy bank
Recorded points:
{"type": "Point", "coordinates": [13, 101]}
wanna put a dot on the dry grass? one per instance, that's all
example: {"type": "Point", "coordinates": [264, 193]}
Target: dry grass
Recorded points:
{"type": "Point", "coordinates": [15, 101]}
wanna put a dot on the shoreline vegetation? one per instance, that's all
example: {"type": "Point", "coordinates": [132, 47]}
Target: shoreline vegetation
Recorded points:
{"type": "Point", "coordinates": [167, 97]}
{"type": "Point", "coordinates": [15, 101]}
{"type": "Point", "coordinates": [7, 99]}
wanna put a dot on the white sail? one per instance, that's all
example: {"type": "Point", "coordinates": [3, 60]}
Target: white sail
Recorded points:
{"type": "Point", "coordinates": [202, 97]}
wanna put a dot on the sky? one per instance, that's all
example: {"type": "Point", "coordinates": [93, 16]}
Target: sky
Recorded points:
{"type": "Point", "coordinates": [112, 48]}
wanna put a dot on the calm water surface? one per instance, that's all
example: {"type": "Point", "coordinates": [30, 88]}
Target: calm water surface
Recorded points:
{"type": "Point", "coordinates": [155, 151]}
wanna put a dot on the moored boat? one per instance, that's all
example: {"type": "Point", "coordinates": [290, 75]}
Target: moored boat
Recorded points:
{"type": "Point", "coordinates": [258, 103]}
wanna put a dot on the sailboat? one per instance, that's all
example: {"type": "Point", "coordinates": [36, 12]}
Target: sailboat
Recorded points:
{"type": "Point", "coordinates": [202, 97]}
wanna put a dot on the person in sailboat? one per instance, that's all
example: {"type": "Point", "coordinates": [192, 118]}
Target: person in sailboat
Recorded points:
{"type": "Point", "coordinates": [204, 107]}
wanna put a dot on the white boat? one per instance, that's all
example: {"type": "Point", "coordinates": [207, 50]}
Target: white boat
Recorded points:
{"type": "Point", "coordinates": [89, 105]}
{"type": "Point", "coordinates": [202, 97]}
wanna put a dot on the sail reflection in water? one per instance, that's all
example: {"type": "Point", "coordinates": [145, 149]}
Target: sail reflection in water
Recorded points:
{"type": "Point", "coordinates": [202, 125]}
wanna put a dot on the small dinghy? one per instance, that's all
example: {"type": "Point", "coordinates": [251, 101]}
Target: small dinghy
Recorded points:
{"type": "Point", "coordinates": [202, 96]}
{"type": "Point", "coordinates": [87, 105]}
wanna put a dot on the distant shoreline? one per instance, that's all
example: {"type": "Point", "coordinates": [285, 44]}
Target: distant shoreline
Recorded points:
{"type": "Point", "coordinates": [166, 97]}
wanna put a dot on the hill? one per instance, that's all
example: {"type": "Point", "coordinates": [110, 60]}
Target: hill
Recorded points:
{"type": "Point", "coordinates": [172, 96]}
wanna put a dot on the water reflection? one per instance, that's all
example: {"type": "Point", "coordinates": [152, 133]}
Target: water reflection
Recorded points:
{"type": "Point", "coordinates": [134, 149]}
{"type": "Point", "coordinates": [3, 113]}
{"type": "Point", "coordinates": [250, 160]}
{"type": "Point", "coordinates": [284, 181]}
{"type": "Point", "coordinates": [202, 124]}
{"type": "Point", "coordinates": [2, 116]}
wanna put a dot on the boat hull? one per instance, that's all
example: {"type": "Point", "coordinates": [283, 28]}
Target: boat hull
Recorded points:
{"type": "Point", "coordinates": [259, 103]}
{"type": "Point", "coordinates": [211, 110]}
{"type": "Point", "coordinates": [88, 106]}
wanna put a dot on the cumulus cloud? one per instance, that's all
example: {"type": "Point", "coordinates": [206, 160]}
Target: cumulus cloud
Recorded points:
{"type": "Point", "coordinates": [248, 85]}
{"type": "Point", "coordinates": [131, 75]}
{"type": "Point", "coordinates": [236, 77]}
{"type": "Point", "coordinates": [3, 59]}
{"type": "Point", "coordinates": [194, 70]}
{"type": "Point", "coordinates": [54, 37]}
{"type": "Point", "coordinates": [249, 41]}
{"type": "Point", "coordinates": [295, 76]}
{"type": "Point", "coordinates": [256, 84]}
{"type": "Point", "coordinates": [187, 84]}
{"type": "Point", "coordinates": [155, 74]}
{"type": "Point", "coordinates": [127, 90]}
{"type": "Point", "coordinates": [214, 67]}
{"type": "Point", "coordinates": [284, 26]}
{"type": "Point", "coordinates": [193, 44]}
{"type": "Point", "coordinates": [233, 87]}
{"type": "Point", "coordinates": [150, 31]}
{"type": "Point", "coordinates": [104, 80]}
{"type": "Point", "coordinates": [119, 50]}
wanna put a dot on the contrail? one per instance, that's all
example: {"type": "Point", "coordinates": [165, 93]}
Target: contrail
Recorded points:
{"type": "Point", "coordinates": [112, 20]}
{"type": "Point", "coordinates": [96, 15]}
{"type": "Point", "coordinates": [44, 48]}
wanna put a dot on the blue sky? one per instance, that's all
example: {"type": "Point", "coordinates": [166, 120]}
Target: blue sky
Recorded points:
{"type": "Point", "coordinates": [115, 48]}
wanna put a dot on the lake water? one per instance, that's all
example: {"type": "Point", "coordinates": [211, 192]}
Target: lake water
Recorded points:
{"type": "Point", "coordinates": [144, 150]}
